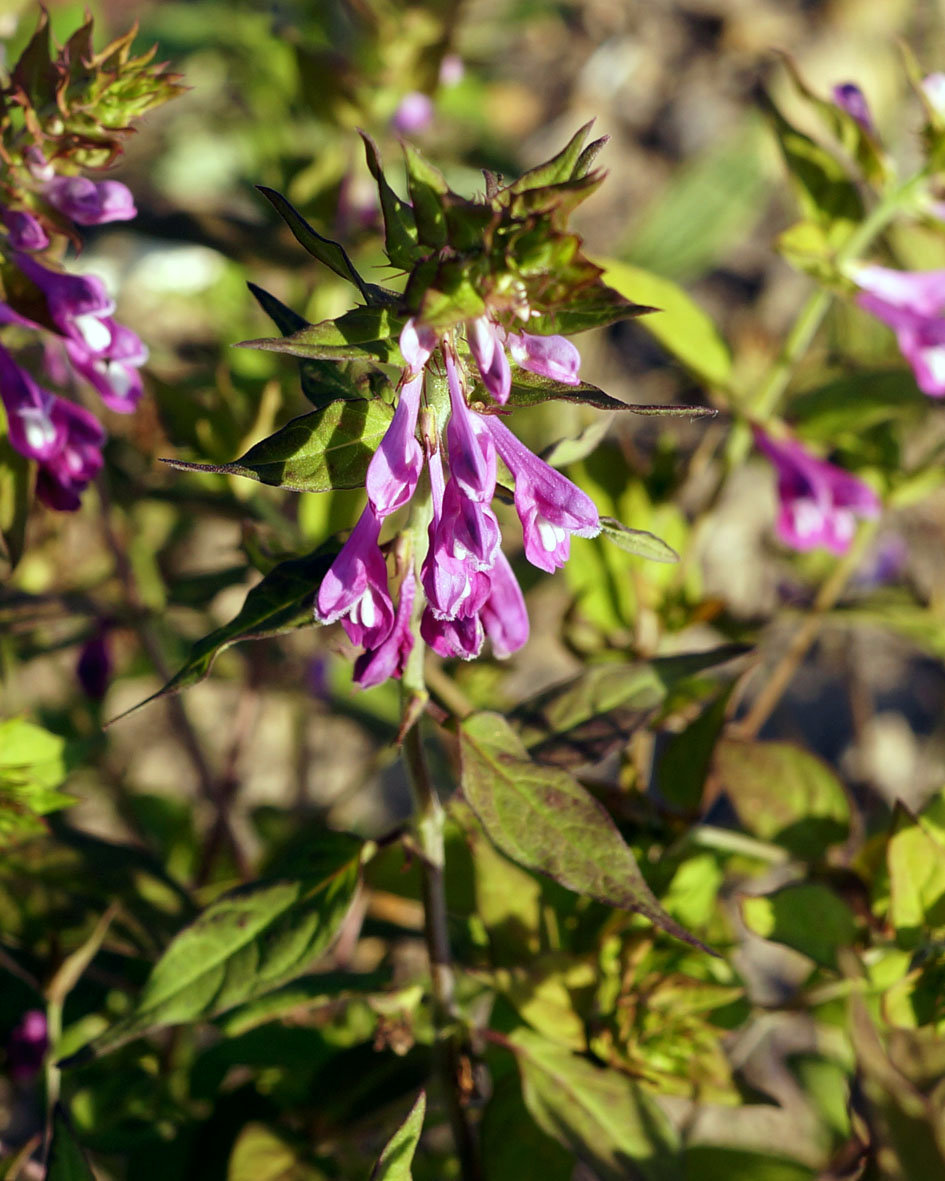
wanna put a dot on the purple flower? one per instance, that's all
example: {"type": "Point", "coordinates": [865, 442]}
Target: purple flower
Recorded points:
{"type": "Point", "coordinates": [452, 637]}
{"type": "Point", "coordinates": [114, 371]}
{"type": "Point", "coordinates": [94, 666]}
{"type": "Point", "coordinates": [417, 343]}
{"type": "Point", "coordinates": [848, 97]}
{"type": "Point", "coordinates": [470, 450]}
{"type": "Point", "coordinates": [414, 113]}
{"type": "Point", "coordinates": [78, 304]}
{"type": "Point", "coordinates": [355, 588]}
{"type": "Point", "coordinates": [89, 202]}
{"type": "Point", "coordinates": [27, 1046]}
{"type": "Point", "coordinates": [64, 476]}
{"type": "Point", "coordinates": [395, 466]}
{"type": "Point", "coordinates": [32, 430]}
{"type": "Point", "coordinates": [911, 303]}
{"type": "Point", "coordinates": [548, 504]}
{"type": "Point", "coordinates": [25, 231]}
{"type": "Point", "coordinates": [489, 354]}
{"type": "Point", "coordinates": [550, 356]}
{"type": "Point", "coordinates": [819, 502]}
{"type": "Point", "coordinates": [461, 546]}
{"type": "Point", "coordinates": [390, 656]}
{"type": "Point", "coordinates": [503, 614]}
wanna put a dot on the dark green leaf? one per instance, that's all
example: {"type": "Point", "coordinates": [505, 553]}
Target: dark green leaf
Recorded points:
{"type": "Point", "coordinates": [248, 942]}
{"type": "Point", "coordinates": [593, 306]}
{"type": "Point", "coordinates": [397, 1157]}
{"type": "Point", "coordinates": [427, 192]}
{"type": "Point", "coordinates": [531, 389]}
{"type": "Point", "coordinates": [282, 602]}
{"type": "Point", "coordinates": [363, 333]}
{"type": "Point", "coordinates": [544, 819]}
{"type": "Point", "coordinates": [853, 405]}
{"type": "Point", "coordinates": [513, 1145]}
{"type": "Point", "coordinates": [330, 253]}
{"type": "Point", "coordinates": [603, 1117]}
{"type": "Point", "coordinates": [400, 229]}
{"type": "Point", "coordinates": [637, 541]}
{"type": "Point", "coordinates": [329, 448]}
{"type": "Point", "coordinates": [707, 1162]}
{"type": "Point", "coordinates": [16, 480]}
{"type": "Point", "coordinates": [784, 794]}
{"type": "Point", "coordinates": [686, 759]}
{"type": "Point", "coordinates": [808, 917]}
{"type": "Point", "coordinates": [66, 1159]}
{"type": "Point", "coordinates": [323, 382]}
{"type": "Point", "coordinates": [679, 324]}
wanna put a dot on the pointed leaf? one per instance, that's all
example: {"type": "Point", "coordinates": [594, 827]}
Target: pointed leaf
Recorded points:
{"type": "Point", "coordinates": [400, 229]}
{"type": "Point", "coordinates": [807, 916]}
{"type": "Point", "coordinates": [66, 1159]}
{"type": "Point", "coordinates": [326, 449]}
{"type": "Point", "coordinates": [605, 1118]}
{"type": "Point", "coordinates": [784, 794]}
{"type": "Point", "coordinates": [283, 601]}
{"type": "Point", "coordinates": [32, 765]}
{"type": "Point", "coordinates": [679, 324]}
{"type": "Point", "coordinates": [330, 253]}
{"type": "Point", "coordinates": [395, 1161]}
{"type": "Point", "coordinates": [322, 382]}
{"type": "Point", "coordinates": [427, 190]}
{"type": "Point", "coordinates": [543, 818]}
{"type": "Point", "coordinates": [532, 389]}
{"type": "Point", "coordinates": [558, 168]}
{"type": "Point", "coordinates": [637, 541]}
{"type": "Point", "coordinates": [361, 333]}
{"type": "Point", "coordinates": [594, 306]}
{"type": "Point", "coordinates": [248, 942]}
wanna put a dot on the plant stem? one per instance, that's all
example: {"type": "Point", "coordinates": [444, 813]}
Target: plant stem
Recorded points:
{"type": "Point", "coordinates": [428, 822]}
{"type": "Point", "coordinates": [783, 673]}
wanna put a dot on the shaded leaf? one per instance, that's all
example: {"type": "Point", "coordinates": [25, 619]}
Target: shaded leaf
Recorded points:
{"type": "Point", "coordinates": [708, 1162]}
{"type": "Point", "coordinates": [784, 794]}
{"type": "Point", "coordinates": [328, 448]}
{"type": "Point", "coordinates": [395, 1161]}
{"type": "Point", "coordinates": [16, 480]}
{"type": "Point", "coordinates": [282, 601]}
{"type": "Point", "coordinates": [683, 765]}
{"type": "Point", "coordinates": [362, 333]}
{"type": "Point", "coordinates": [531, 389]}
{"type": "Point", "coordinates": [808, 917]}
{"type": "Point", "coordinates": [330, 253]}
{"type": "Point", "coordinates": [427, 189]}
{"type": "Point", "coordinates": [66, 1159]}
{"type": "Point", "coordinates": [602, 1116]}
{"type": "Point", "coordinates": [678, 323]}
{"type": "Point", "coordinates": [248, 942]}
{"type": "Point", "coordinates": [322, 382]}
{"type": "Point", "coordinates": [637, 541]}
{"type": "Point", "coordinates": [512, 1143]}
{"type": "Point", "coordinates": [544, 819]}
{"type": "Point", "coordinates": [400, 228]}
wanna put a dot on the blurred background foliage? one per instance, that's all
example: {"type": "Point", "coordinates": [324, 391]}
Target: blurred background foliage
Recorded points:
{"type": "Point", "coordinates": [812, 860]}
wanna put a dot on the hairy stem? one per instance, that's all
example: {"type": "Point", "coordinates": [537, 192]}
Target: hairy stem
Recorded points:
{"type": "Point", "coordinates": [428, 823]}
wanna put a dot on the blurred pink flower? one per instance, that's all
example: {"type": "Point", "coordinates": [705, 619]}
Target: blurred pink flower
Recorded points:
{"type": "Point", "coordinates": [911, 303]}
{"type": "Point", "coordinates": [414, 113]}
{"type": "Point", "coordinates": [849, 97]}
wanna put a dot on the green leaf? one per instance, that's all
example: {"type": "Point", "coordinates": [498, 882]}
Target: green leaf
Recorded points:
{"type": "Point", "coordinates": [544, 819]}
{"type": "Point", "coordinates": [261, 1154]}
{"type": "Point", "coordinates": [577, 308]}
{"type": "Point", "coordinates": [329, 448]}
{"type": "Point", "coordinates": [427, 189]}
{"type": "Point", "coordinates": [400, 228]}
{"type": "Point", "coordinates": [575, 449]}
{"type": "Point", "coordinates": [915, 857]}
{"type": "Point", "coordinates": [682, 327]}
{"type": "Point", "coordinates": [637, 541]}
{"type": "Point", "coordinates": [247, 943]}
{"type": "Point", "coordinates": [363, 333]}
{"type": "Point", "coordinates": [784, 794]}
{"type": "Point", "coordinates": [66, 1159]}
{"type": "Point", "coordinates": [16, 481]}
{"type": "Point", "coordinates": [32, 765]}
{"type": "Point", "coordinates": [397, 1157]}
{"type": "Point", "coordinates": [323, 382]}
{"type": "Point", "coordinates": [330, 253]}
{"type": "Point", "coordinates": [686, 758]}
{"type": "Point", "coordinates": [603, 1117]}
{"type": "Point", "coordinates": [825, 193]}
{"type": "Point", "coordinates": [282, 602]}
{"type": "Point", "coordinates": [560, 167]}
{"type": "Point", "coordinates": [561, 725]}
{"type": "Point", "coordinates": [513, 1146]}
{"type": "Point", "coordinates": [850, 406]}
{"type": "Point", "coordinates": [808, 917]}
{"type": "Point", "coordinates": [707, 1162]}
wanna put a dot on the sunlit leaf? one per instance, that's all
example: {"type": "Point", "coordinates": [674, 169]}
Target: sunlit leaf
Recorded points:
{"type": "Point", "coordinates": [915, 856]}
{"type": "Point", "coordinates": [603, 1117]}
{"type": "Point", "coordinates": [248, 942]}
{"type": "Point", "coordinates": [32, 765]}
{"type": "Point", "coordinates": [544, 819]}
{"type": "Point", "coordinates": [809, 917]}
{"type": "Point", "coordinates": [363, 333]}
{"type": "Point", "coordinates": [637, 541]}
{"type": "Point", "coordinates": [260, 1154]}
{"type": "Point", "coordinates": [328, 448]}
{"type": "Point", "coordinates": [395, 1160]}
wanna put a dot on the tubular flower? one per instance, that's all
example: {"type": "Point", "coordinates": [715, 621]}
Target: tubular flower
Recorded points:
{"type": "Point", "coordinates": [912, 303]}
{"type": "Point", "coordinates": [819, 502]}
{"type": "Point", "coordinates": [849, 97]}
{"type": "Point", "coordinates": [355, 588]}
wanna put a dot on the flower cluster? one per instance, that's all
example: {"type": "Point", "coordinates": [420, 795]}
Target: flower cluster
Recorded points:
{"type": "Point", "coordinates": [468, 587]}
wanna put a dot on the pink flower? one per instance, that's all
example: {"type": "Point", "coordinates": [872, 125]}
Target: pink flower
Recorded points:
{"type": "Point", "coordinates": [414, 113]}
{"type": "Point", "coordinates": [389, 657]}
{"type": "Point", "coordinates": [548, 504]}
{"type": "Point", "coordinates": [911, 303]}
{"type": "Point", "coordinates": [25, 231]}
{"type": "Point", "coordinates": [65, 475]}
{"type": "Point", "coordinates": [78, 304]}
{"type": "Point", "coordinates": [819, 502]}
{"type": "Point", "coordinates": [488, 352]}
{"type": "Point", "coordinates": [32, 430]}
{"type": "Point", "coordinates": [550, 356]}
{"type": "Point", "coordinates": [355, 588]}
{"type": "Point", "coordinates": [470, 450]}
{"type": "Point", "coordinates": [89, 202]}
{"type": "Point", "coordinates": [504, 615]}
{"type": "Point", "coordinates": [452, 637]}
{"type": "Point", "coordinates": [395, 466]}
{"type": "Point", "coordinates": [849, 97]}
{"type": "Point", "coordinates": [27, 1046]}
{"type": "Point", "coordinates": [113, 372]}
